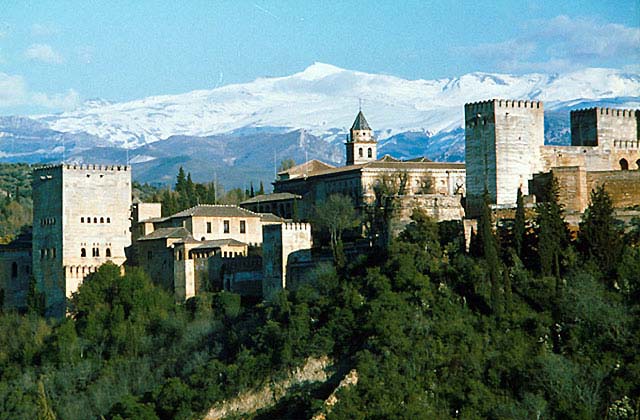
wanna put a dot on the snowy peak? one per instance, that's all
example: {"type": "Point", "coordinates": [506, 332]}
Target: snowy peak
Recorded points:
{"type": "Point", "coordinates": [323, 99]}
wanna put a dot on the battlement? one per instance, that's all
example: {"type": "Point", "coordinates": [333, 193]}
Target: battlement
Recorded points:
{"type": "Point", "coordinates": [84, 167]}
{"type": "Point", "coordinates": [492, 104]}
{"type": "Point", "coordinates": [296, 226]}
{"type": "Point", "coordinates": [614, 112]}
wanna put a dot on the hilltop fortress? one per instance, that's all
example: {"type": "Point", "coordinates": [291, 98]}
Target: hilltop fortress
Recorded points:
{"type": "Point", "coordinates": [83, 215]}
{"type": "Point", "coordinates": [505, 151]}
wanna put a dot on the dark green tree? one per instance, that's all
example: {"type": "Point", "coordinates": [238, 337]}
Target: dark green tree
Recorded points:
{"type": "Point", "coordinates": [519, 224]}
{"type": "Point", "coordinates": [261, 189]}
{"type": "Point", "coordinates": [600, 238]}
{"type": "Point", "coordinates": [490, 252]}
{"type": "Point", "coordinates": [552, 231]}
{"type": "Point", "coordinates": [334, 216]}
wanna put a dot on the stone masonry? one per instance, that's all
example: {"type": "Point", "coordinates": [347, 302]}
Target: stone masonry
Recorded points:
{"type": "Point", "coordinates": [81, 221]}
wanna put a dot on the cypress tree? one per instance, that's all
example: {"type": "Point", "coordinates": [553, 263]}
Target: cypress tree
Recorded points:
{"type": "Point", "coordinates": [599, 238]}
{"type": "Point", "coordinates": [490, 252]}
{"type": "Point", "coordinates": [261, 190]}
{"type": "Point", "coordinates": [519, 224]}
{"type": "Point", "coordinates": [552, 231]}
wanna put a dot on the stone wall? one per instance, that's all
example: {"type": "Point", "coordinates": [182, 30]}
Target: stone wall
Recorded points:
{"type": "Point", "coordinates": [15, 272]}
{"type": "Point", "coordinates": [622, 186]}
{"type": "Point", "coordinates": [81, 220]}
{"type": "Point", "coordinates": [502, 140]}
{"type": "Point", "coordinates": [279, 241]}
{"type": "Point", "coordinates": [605, 127]}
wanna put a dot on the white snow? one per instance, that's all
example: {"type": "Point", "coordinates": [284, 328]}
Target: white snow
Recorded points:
{"type": "Point", "coordinates": [325, 97]}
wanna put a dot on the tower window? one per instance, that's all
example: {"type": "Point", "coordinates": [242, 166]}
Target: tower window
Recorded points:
{"type": "Point", "coordinates": [82, 220]}
{"type": "Point", "coordinates": [102, 220]}
{"type": "Point", "coordinates": [14, 270]}
{"type": "Point", "coordinates": [108, 220]}
{"type": "Point", "coordinates": [208, 227]}
{"type": "Point", "coordinates": [243, 226]}
{"type": "Point", "coordinates": [369, 153]}
{"type": "Point", "coordinates": [96, 252]}
{"type": "Point", "coordinates": [107, 252]}
{"type": "Point", "coordinates": [83, 252]}
{"type": "Point", "coordinates": [88, 220]}
{"type": "Point", "coordinates": [225, 225]}
{"type": "Point", "coordinates": [95, 220]}
{"type": "Point", "coordinates": [360, 153]}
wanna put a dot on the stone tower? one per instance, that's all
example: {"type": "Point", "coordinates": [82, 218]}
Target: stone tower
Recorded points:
{"type": "Point", "coordinates": [502, 140]}
{"type": "Point", "coordinates": [361, 145]}
{"type": "Point", "coordinates": [80, 221]}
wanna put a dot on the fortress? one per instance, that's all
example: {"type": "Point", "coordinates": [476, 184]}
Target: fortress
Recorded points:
{"type": "Point", "coordinates": [81, 220]}
{"type": "Point", "coordinates": [83, 215]}
{"type": "Point", "coordinates": [505, 151]}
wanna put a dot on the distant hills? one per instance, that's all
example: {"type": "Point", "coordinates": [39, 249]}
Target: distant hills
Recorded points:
{"type": "Point", "coordinates": [238, 133]}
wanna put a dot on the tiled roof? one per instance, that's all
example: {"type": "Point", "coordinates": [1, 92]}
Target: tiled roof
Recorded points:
{"type": "Point", "coordinates": [212, 210]}
{"type": "Point", "coordinates": [165, 233]}
{"type": "Point", "coordinates": [270, 218]}
{"type": "Point", "coordinates": [308, 167]}
{"type": "Point", "coordinates": [271, 197]}
{"type": "Point", "coordinates": [360, 123]}
{"type": "Point", "coordinates": [217, 243]}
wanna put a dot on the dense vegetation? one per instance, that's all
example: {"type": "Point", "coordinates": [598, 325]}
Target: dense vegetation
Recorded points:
{"type": "Point", "coordinates": [15, 199]}
{"type": "Point", "coordinates": [549, 328]}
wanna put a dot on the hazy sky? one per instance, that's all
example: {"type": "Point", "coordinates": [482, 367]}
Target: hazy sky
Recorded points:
{"type": "Point", "coordinates": [56, 54]}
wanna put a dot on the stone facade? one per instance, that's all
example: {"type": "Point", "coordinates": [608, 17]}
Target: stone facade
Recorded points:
{"type": "Point", "coordinates": [279, 242]}
{"type": "Point", "coordinates": [502, 149]}
{"type": "Point", "coordinates": [505, 151]}
{"type": "Point", "coordinates": [15, 273]}
{"type": "Point", "coordinates": [315, 181]}
{"type": "Point", "coordinates": [81, 221]}
{"type": "Point", "coordinates": [283, 205]}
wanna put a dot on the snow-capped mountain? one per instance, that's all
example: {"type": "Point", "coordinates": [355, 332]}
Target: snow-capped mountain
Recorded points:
{"type": "Point", "coordinates": [323, 98]}
{"type": "Point", "coordinates": [244, 130]}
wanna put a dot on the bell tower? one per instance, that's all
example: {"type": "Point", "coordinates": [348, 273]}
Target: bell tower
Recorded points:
{"type": "Point", "coordinates": [361, 145]}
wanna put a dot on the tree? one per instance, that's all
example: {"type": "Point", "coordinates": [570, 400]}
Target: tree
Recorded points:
{"type": "Point", "coordinates": [552, 231]}
{"type": "Point", "coordinates": [600, 238]}
{"type": "Point", "coordinates": [286, 164]}
{"type": "Point", "coordinates": [490, 252]}
{"type": "Point", "coordinates": [519, 224]}
{"type": "Point", "coordinates": [261, 189]}
{"type": "Point", "coordinates": [336, 215]}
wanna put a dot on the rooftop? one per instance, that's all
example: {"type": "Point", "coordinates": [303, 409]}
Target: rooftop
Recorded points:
{"type": "Point", "coordinates": [166, 233]}
{"type": "Point", "coordinates": [215, 210]}
{"type": "Point", "coordinates": [360, 123]}
{"type": "Point", "coordinates": [271, 197]}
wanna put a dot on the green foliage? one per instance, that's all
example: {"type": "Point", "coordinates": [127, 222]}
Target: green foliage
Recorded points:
{"type": "Point", "coordinates": [552, 232]}
{"type": "Point", "coordinates": [600, 238]}
{"type": "Point", "coordinates": [286, 164]}
{"type": "Point", "coordinates": [519, 224]}
{"type": "Point", "coordinates": [336, 215]}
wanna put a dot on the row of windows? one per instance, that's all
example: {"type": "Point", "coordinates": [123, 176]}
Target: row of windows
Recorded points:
{"type": "Point", "coordinates": [95, 220]}
{"type": "Point", "coordinates": [48, 221]}
{"type": "Point", "coordinates": [369, 152]}
{"type": "Point", "coordinates": [95, 252]}
{"type": "Point", "coordinates": [47, 253]}
{"type": "Point", "coordinates": [226, 226]}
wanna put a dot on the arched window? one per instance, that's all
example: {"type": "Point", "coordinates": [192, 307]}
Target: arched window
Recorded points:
{"type": "Point", "coordinates": [102, 220]}
{"type": "Point", "coordinates": [369, 153]}
{"type": "Point", "coordinates": [14, 270]}
{"type": "Point", "coordinates": [624, 165]}
{"type": "Point", "coordinates": [82, 220]}
{"type": "Point", "coordinates": [360, 153]}
{"type": "Point", "coordinates": [638, 163]}
{"type": "Point", "coordinates": [88, 220]}
{"type": "Point", "coordinates": [107, 252]}
{"type": "Point", "coordinates": [83, 252]}
{"type": "Point", "coordinates": [95, 220]}
{"type": "Point", "coordinates": [108, 220]}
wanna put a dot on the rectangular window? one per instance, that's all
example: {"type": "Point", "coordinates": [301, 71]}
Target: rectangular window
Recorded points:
{"type": "Point", "coordinates": [208, 227]}
{"type": "Point", "coordinates": [226, 226]}
{"type": "Point", "coordinates": [243, 226]}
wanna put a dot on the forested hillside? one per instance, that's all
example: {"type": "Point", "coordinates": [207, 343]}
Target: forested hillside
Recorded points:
{"type": "Point", "coordinates": [532, 323]}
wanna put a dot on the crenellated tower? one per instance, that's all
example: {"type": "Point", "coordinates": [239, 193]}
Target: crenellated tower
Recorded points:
{"type": "Point", "coordinates": [361, 145]}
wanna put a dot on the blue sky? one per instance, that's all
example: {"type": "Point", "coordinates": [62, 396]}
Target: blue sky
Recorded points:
{"type": "Point", "coordinates": [56, 54]}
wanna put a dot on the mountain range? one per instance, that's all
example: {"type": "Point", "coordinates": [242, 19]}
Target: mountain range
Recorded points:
{"type": "Point", "coordinates": [240, 133]}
